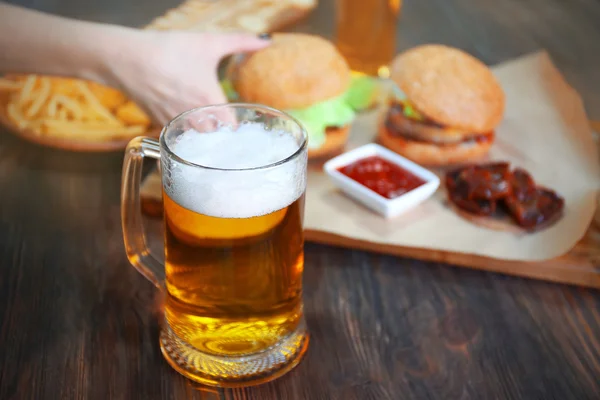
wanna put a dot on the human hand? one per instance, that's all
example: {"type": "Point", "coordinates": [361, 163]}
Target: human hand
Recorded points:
{"type": "Point", "coordinates": [167, 73]}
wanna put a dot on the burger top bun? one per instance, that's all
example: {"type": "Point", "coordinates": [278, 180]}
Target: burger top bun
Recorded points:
{"type": "Point", "coordinates": [450, 87]}
{"type": "Point", "coordinates": [295, 71]}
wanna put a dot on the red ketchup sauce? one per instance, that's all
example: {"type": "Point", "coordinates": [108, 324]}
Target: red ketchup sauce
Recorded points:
{"type": "Point", "coordinates": [381, 176]}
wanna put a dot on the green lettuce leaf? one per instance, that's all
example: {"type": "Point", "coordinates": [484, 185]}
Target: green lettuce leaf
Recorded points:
{"type": "Point", "coordinates": [361, 92]}
{"type": "Point", "coordinates": [316, 118]}
{"type": "Point", "coordinates": [228, 89]}
{"type": "Point", "coordinates": [337, 112]}
{"type": "Point", "coordinates": [408, 109]}
{"type": "Point", "coordinates": [411, 112]}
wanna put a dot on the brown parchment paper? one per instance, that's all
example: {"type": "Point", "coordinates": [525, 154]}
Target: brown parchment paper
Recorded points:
{"type": "Point", "coordinates": [545, 131]}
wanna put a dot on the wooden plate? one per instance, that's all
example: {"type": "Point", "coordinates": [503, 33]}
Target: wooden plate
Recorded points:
{"type": "Point", "coordinates": [77, 143]}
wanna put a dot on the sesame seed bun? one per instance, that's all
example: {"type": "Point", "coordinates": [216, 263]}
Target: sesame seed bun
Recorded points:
{"type": "Point", "coordinates": [450, 87]}
{"type": "Point", "coordinates": [434, 154]}
{"type": "Point", "coordinates": [295, 71]}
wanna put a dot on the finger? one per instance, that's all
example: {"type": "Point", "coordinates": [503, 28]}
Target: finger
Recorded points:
{"type": "Point", "coordinates": [215, 114]}
{"type": "Point", "coordinates": [230, 43]}
{"type": "Point", "coordinates": [212, 119]}
{"type": "Point", "coordinates": [222, 116]}
{"type": "Point", "coordinates": [198, 121]}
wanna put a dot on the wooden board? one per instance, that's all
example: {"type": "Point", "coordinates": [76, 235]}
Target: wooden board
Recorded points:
{"type": "Point", "coordinates": [580, 266]}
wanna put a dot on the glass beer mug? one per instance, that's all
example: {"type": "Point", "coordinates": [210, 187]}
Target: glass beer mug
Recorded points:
{"type": "Point", "coordinates": [233, 181]}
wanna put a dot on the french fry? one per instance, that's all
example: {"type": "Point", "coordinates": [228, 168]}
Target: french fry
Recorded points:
{"type": "Point", "coordinates": [52, 107]}
{"type": "Point", "coordinates": [63, 114]}
{"type": "Point", "coordinates": [28, 87]}
{"type": "Point", "coordinates": [64, 86]}
{"type": "Point", "coordinates": [93, 101]}
{"type": "Point", "coordinates": [131, 114]}
{"type": "Point", "coordinates": [70, 105]}
{"type": "Point", "coordinates": [15, 115]}
{"type": "Point", "coordinates": [91, 113]}
{"type": "Point", "coordinates": [109, 97]}
{"type": "Point", "coordinates": [39, 100]}
{"type": "Point", "coordinates": [82, 125]}
{"type": "Point", "coordinates": [9, 85]}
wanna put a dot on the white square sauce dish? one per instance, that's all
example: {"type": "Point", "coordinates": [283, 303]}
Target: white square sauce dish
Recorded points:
{"type": "Point", "coordinates": [382, 180]}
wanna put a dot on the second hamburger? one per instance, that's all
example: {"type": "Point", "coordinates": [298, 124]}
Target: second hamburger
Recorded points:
{"type": "Point", "coordinates": [446, 109]}
{"type": "Point", "coordinates": [305, 76]}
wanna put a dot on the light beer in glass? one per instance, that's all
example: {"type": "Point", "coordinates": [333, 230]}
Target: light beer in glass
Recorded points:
{"type": "Point", "coordinates": [233, 200]}
{"type": "Point", "coordinates": [365, 33]}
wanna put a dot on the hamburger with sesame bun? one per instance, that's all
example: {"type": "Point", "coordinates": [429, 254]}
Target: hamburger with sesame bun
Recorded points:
{"type": "Point", "coordinates": [446, 107]}
{"type": "Point", "coordinates": [306, 77]}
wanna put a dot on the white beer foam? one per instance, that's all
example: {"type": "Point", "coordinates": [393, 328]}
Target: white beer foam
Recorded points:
{"type": "Point", "coordinates": [235, 194]}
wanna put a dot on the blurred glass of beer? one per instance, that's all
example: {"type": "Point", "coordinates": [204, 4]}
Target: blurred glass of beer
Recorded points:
{"type": "Point", "coordinates": [234, 246]}
{"type": "Point", "coordinates": [366, 33]}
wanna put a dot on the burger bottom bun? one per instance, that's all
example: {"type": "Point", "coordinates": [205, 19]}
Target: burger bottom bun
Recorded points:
{"type": "Point", "coordinates": [435, 154]}
{"type": "Point", "coordinates": [335, 140]}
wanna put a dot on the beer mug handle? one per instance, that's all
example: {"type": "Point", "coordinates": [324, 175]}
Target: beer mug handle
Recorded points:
{"type": "Point", "coordinates": [134, 237]}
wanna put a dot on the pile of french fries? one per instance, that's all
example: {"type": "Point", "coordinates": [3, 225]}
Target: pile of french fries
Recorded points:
{"type": "Point", "coordinates": [74, 109]}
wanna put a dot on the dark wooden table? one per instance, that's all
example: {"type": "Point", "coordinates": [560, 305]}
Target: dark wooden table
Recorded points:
{"type": "Point", "coordinates": [77, 322]}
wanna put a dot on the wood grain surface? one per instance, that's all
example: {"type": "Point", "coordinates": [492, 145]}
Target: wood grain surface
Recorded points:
{"type": "Point", "coordinates": [77, 322]}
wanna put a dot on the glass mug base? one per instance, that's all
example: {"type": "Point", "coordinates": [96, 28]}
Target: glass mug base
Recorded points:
{"type": "Point", "coordinates": [230, 372]}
